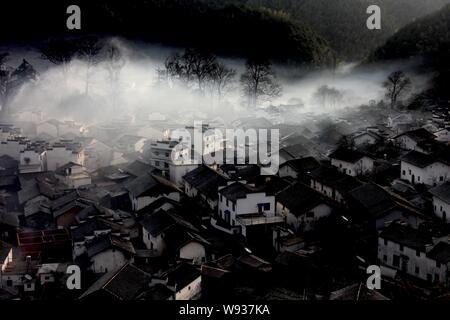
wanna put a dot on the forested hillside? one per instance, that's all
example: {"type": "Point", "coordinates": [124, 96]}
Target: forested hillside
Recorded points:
{"type": "Point", "coordinates": [343, 22]}
{"type": "Point", "coordinates": [232, 30]}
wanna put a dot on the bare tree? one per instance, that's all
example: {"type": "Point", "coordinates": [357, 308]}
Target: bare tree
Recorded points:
{"type": "Point", "coordinates": [259, 82]}
{"type": "Point", "coordinates": [328, 96]}
{"type": "Point", "coordinates": [396, 85]}
{"type": "Point", "coordinates": [12, 79]}
{"type": "Point", "coordinates": [89, 49]}
{"type": "Point", "coordinates": [222, 77]}
{"type": "Point", "coordinates": [60, 53]}
{"type": "Point", "coordinates": [115, 62]}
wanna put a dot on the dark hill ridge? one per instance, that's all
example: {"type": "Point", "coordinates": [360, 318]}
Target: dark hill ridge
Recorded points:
{"type": "Point", "coordinates": [343, 22]}
{"type": "Point", "coordinates": [230, 30]}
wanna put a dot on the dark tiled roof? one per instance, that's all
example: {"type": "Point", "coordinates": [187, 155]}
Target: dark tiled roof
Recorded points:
{"type": "Point", "coordinates": [206, 181]}
{"type": "Point", "coordinates": [299, 198]}
{"type": "Point", "coordinates": [62, 170]}
{"type": "Point", "coordinates": [419, 159]}
{"type": "Point", "coordinates": [407, 236]}
{"type": "Point", "coordinates": [373, 198]}
{"type": "Point", "coordinates": [333, 178]}
{"type": "Point", "coordinates": [417, 135]}
{"type": "Point", "coordinates": [236, 191]}
{"type": "Point", "coordinates": [347, 155]}
{"type": "Point", "coordinates": [157, 222]}
{"type": "Point", "coordinates": [182, 275]}
{"type": "Point", "coordinates": [442, 192]}
{"type": "Point", "coordinates": [99, 244]}
{"type": "Point", "coordinates": [123, 284]}
{"type": "Point", "coordinates": [440, 252]}
{"type": "Point", "coordinates": [138, 168]}
{"type": "Point", "coordinates": [148, 185]}
{"type": "Point", "coordinates": [303, 164]}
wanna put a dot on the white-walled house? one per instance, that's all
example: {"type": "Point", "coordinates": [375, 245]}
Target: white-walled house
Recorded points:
{"type": "Point", "coordinates": [352, 162]}
{"type": "Point", "coordinates": [365, 138]}
{"type": "Point", "coordinates": [443, 135]}
{"type": "Point", "coordinates": [186, 281]}
{"type": "Point", "coordinates": [414, 139]}
{"type": "Point", "coordinates": [204, 183]}
{"type": "Point", "coordinates": [147, 188]}
{"type": "Point", "coordinates": [62, 152]}
{"type": "Point", "coordinates": [13, 147]}
{"type": "Point", "coordinates": [108, 252]}
{"type": "Point", "coordinates": [130, 144]}
{"type": "Point", "coordinates": [296, 168]}
{"type": "Point", "coordinates": [441, 201]}
{"type": "Point", "coordinates": [302, 207]}
{"type": "Point", "coordinates": [406, 249]}
{"type": "Point", "coordinates": [33, 160]}
{"type": "Point", "coordinates": [332, 183]}
{"type": "Point", "coordinates": [73, 175]}
{"type": "Point", "coordinates": [242, 206]}
{"type": "Point", "coordinates": [167, 233]}
{"type": "Point", "coordinates": [421, 168]}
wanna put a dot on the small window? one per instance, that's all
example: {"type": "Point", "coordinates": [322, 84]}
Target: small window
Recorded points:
{"type": "Point", "coordinates": [409, 171]}
{"type": "Point", "coordinates": [234, 206]}
{"type": "Point", "coordinates": [396, 260]}
{"type": "Point", "coordinates": [385, 242]}
{"type": "Point", "coordinates": [441, 178]}
{"type": "Point", "coordinates": [403, 172]}
{"type": "Point", "coordinates": [417, 253]}
{"type": "Point", "coordinates": [417, 270]}
{"type": "Point", "coordinates": [385, 258]}
{"type": "Point", "coordinates": [166, 165]}
{"type": "Point", "coordinates": [401, 247]}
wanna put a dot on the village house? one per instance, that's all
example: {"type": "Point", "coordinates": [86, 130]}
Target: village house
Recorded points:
{"type": "Point", "coordinates": [418, 140]}
{"type": "Point", "coordinates": [148, 188]}
{"type": "Point", "coordinates": [352, 162]}
{"type": "Point", "coordinates": [130, 144]}
{"type": "Point", "coordinates": [441, 201]}
{"type": "Point", "coordinates": [332, 183]}
{"type": "Point", "coordinates": [123, 284]}
{"type": "Point", "coordinates": [242, 207]}
{"type": "Point", "coordinates": [298, 168]}
{"type": "Point", "coordinates": [413, 252]}
{"type": "Point", "coordinates": [372, 203]}
{"type": "Point", "coordinates": [421, 168]}
{"type": "Point", "coordinates": [443, 135]}
{"type": "Point", "coordinates": [302, 207]}
{"type": "Point", "coordinates": [62, 152]}
{"type": "Point", "coordinates": [13, 147]}
{"type": "Point", "coordinates": [33, 159]}
{"type": "Point", "coordinates": [108, 252]}
{"type": "Point", "coordinates": [184, 279]}
{"type": "Point", "coordinates": [365, 138]}
{"type": "Point", "coordinates": [167, 233]}
{"type": "Point", "coordinates": [204, 183]}
{"type": "Point", "coordinates": [73, 175]}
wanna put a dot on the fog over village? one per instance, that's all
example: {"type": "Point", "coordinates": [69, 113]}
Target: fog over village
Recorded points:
{"type": "Point", "coordinates": [100, 198]}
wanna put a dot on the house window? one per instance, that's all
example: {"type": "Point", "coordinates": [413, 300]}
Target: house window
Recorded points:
{"type": "Point", "coordinates": [228, 203]}
{"type": "Point", "coordinates": [385, 242]}
{"type": "Point", "coordinates": [234, 206]}
{"type": "Point", "coordinates": [441, 178]}
{"type": "Point", "coordinates": [349, 171]}
{"type": "Point", "coordinates": [403, 172]}
{"type": "Point", "coordinates": [401, 247]}
{"type": "Point", "coordinates": [157, 163]}
{"type": "Point", "coordinates": [9, 283]}
{"type": "Point", "coordinates": [166, 165]}
{"type": "Point", "coordinates": [417, 253]}
{"type": "Point", "coordinates": [385, 258]}
{"type": "Point", "coordinates": [396, 261]}
{"type": "Point", "coordinates": [417, 270]}
{"type": "Point", "coordinates": [221, 198]}
{"type": "Point", "coordinates": [167, 154]}
{"type": "Point", "coordinates": [409, 171]}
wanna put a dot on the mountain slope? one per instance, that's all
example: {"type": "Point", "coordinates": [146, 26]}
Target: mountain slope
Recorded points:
{"type": "Point", "coordinates": [231, 30]}
{"type": "Point", "coordinates": [429, 39]}
{"type": "Point", "coordinates": [343, 22]}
